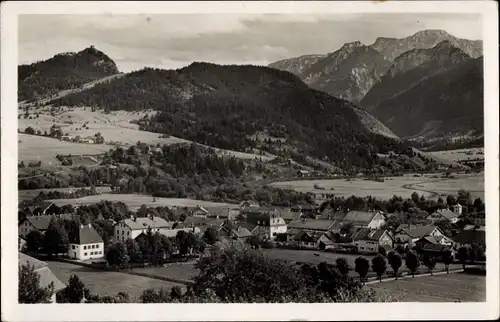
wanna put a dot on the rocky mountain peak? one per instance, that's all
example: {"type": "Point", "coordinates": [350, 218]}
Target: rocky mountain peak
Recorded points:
{"type": "Point", "coordinates": [432, 33]}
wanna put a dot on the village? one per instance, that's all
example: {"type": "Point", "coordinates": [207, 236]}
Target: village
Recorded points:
{"type": "Point", "coordinates": [322, 229]}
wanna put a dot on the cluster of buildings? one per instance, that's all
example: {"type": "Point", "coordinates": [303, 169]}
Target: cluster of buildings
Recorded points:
{"type": "Point", "coordinates": [300, 226]}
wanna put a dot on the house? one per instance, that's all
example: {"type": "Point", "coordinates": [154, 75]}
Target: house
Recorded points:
{"type": "Point", "coordinates": [248, 204]}
{"type": "Point", "coordinates": [307, 239]}
{"type": "Point", "coordinates": [66, 138]}
{"type": "Point", "coordinates": [203, 223]}
{"type": "Point", "coordinates": [289, 216]}
{"type": "Point", "coordinates": [134, 226]}
{"type": "Point", "coordinates": [86, 244]}
{"type": "Point", "coordinates": [368, 241]}
{"type": "Point", "coordinates": [30, 223]}
{"type": "Point", "coordinates": [38, 208]}
{"type": "Point", "coordinates": [457, 209]}
{"type": "Point", "coordinates": [46, 275]}
{"type": "Point", "coordinates": [365, 219]}
{"type": "Point", "coordinates": [303, 173]}
{"type": "Point", "coordinates": [313, 225]}
{"type": "Point", "coordinates": [443, 214]}
{"type": "Point", "coordinates": [305, 209]}
{"type": "Point", "coordinates": [268, 221]}
{"type": "Point", "coordinates": [217, 212]}
{"type": "Point", "coordinates": [434, 240]}
{"type": "Point", "coordinates": [326, 241]}
{"type": "Point", "coordinates": [236, 233]}
{"type": "Point", "coordinates": [410, 234]}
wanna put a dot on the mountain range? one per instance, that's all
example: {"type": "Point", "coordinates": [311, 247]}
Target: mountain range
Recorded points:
{"type": "Point", "coordinates": [371, 75]}
{"type": "Point", "coordinates": [344, 107]}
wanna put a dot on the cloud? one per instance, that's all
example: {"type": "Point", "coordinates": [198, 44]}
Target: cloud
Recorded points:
{"type": "Point", "coordinates": [172, 41]}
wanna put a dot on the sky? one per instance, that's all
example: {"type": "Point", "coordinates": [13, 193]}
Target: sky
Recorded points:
{"type": "Point", "coordinates": [175, 40]}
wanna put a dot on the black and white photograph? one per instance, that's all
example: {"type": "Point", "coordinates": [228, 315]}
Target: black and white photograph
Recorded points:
{"type": "Point", "coordinates": [231, 153]}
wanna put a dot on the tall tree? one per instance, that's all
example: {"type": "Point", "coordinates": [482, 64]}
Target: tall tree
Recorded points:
{"type": "Point", "coordinates": [55, 238]}
{"type": "Point", "coordinates": [412, 262]}
{"type": "Point", "coordinates": [395, 261]}
{"type": "Point", "coordinates": [74, 292]}
{"type": "Point", "coordinates": [379, 266]}
{"type": "Point", "coordinates": [447, 259]}
{"type": "Point", "coordinates": [34, 240]}
{"type": "Point", "coordinates": [342, 265]}
{"type": "Point", "coordinates": [361, 266]}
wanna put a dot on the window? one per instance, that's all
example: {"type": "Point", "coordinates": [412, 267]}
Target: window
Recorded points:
{"type": "Point", "coordinates": [97, 246]}
{"type": "Point", "coordinates": [84, 247]}
{"type": "Point", "coordinates": [128, 233]}
{"type": "Point", "coordinates": [84, 254]}
{"type": "Point", "coordinates": [72, 246]}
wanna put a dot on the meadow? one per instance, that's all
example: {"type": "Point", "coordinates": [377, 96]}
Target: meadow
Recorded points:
{"type": "Point", "coordinates": [31, 194]}
{"type": "Point", "coordinates": [441, 288]}
{"type": "Point", "coordinates": [114, 127]}
{"type": "Point", "coordinates": [403, 186]}
{"type": "Point", "coordinates": [459, 155]}
{"type": "Point", "coordinates": [135, 201]}
{"type": "Point", "coordinates": [106, 282]}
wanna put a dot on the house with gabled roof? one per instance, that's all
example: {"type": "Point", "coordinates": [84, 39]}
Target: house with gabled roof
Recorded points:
{"type": "Point", "coordinates": [132, 227]}
{"type": "Point", "coordinates": [86, 244]}
{"type": "Point", "coordinates": [39, 223]}
{"type": "Point", "coordinates": [368, 240]}
{"type": "Point", "coordinates": [410, 234]}
{"type": "Point", "coordinates": [313, 225]}
{"type": "Point", "coordinates": [248, 204]}
{"type": "Point", "coordinates": [268, 222]}
{"type": "Point", "coordinates": [443, 214]}
{"type": "Point", "coordinates": [365, 219]}
{"type": "Point", "coordinates": [42, 269]}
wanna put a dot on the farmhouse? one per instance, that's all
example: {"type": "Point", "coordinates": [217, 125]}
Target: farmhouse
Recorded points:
{"type": "Point", "coordinates": [305, 209]}
{"type": "Point", "coordinates": [365, 219]}
{"type": "Point", "coordinates": [86, 244]}
{"type": "Point", "coordinates": [443, 214]}
{"type": "Point", "coordinates": [134, 226]}
{"type": "Point", "coordinates": [368, 241]}
{"type": "Point", "coordinates": [43, 270]}
{"type": "Point", "coordinates": [236, 233]}
{"type": "Point", "coordinates": [313, 225]}
{"type": "Point", "coordinates": [215, 212]}
{"type": "Point", "coordinates": [203, 223]}
{"type": "Point", "coordinates": [248, 204]}
{"type": "Point", "coordinates": [39, 223]}
{"type": "Point", "coordinates": [407, 234]}
{"type": "Point", "coordinates": [268, 221]}
{"type": "Point", "coordinates": [303, 173]}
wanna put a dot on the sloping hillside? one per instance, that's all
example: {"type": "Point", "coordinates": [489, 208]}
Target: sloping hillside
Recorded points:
{"type": "Point", "coordinates": [63, 72]}
{"type": "Point", "coordinates": [410, 68]}
{"type": "Point", "coordinates": [222, 106]}
{"type": "Point", "coordinates": [393, 47]}
{"type": "Point", "coordinates": [449, 103]}
{"type": "Point", "coordinates": [296, 65]}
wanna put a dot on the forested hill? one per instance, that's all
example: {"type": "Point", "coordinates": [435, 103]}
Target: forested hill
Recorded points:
{"type": "Point", "coordinates": [61, 72]}
{"type": "Point", "coordinates": [222, 106]}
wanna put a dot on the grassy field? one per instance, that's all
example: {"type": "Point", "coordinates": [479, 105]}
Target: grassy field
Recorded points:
{"type": "Point", "coordinates": [115, 127]}
{"type": "Point", "coordinates": [34, 148]}
{"type": "Point", "coordinates": [134, 201]}
{"type": "Point", "coordinates": [183, 271]}
{"type": "Point", "coordinates": [30, 194]}
{"type": "Point", "coordinates": [442, 288]}
{"type": "Point", "coordinates": [106, 282]}
{"type": "Point", "coordinates": [401, 186]}
{"type": "Point", "coordinates": [460, 155]}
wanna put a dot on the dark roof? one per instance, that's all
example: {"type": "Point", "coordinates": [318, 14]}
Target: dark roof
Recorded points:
{"type": "Point", "coordinates": [39, 222]}
{"type": "Point", "coordinates": [360, 216]}
{"type": "Point", "coordinates": [445, 213]}
{"type": "Point", "coordinates": [241, 232]}
{"type": "Point", "coordinates": [419, 231]}
{"type": "Point", "coordinates": [260, 216]}
{"type": "Point", "coordinates": [86, 235]}
{"type": "Point", "coordinates": [312, 224]}
{"type": "Point", "coordinates": [368, 234]}
{"type": "Point", "coordinates": [433, 247]}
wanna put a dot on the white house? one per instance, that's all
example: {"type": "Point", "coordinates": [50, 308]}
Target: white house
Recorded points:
{"type": "Point", "coordinates": [268, 222]}
{"type": "Point", "coordinates": [87, 244]}
{"type": "Point", "coordinates": [368, 241]}
{"type": "Point", "coordinates": [457, 209]}
{"type": "Point", "coordinates": [134, 226]}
